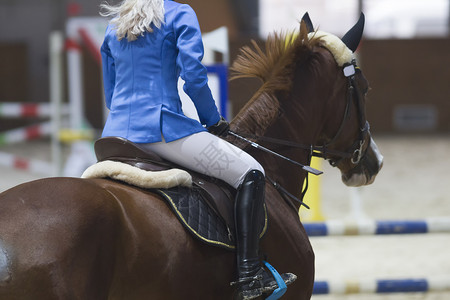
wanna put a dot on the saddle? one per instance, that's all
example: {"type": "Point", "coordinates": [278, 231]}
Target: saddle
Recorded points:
{"type": "Point", "coordinates": [206, 208]}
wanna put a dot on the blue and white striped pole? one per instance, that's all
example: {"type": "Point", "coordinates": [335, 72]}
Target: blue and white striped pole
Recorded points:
{"type": "Point", "coordinates": [372, 227]}
{"type": "Point", "coordinates": [382, 286]}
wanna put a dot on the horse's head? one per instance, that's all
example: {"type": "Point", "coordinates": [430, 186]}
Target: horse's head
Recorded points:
{"type": "Point", "coordinates": [312, 97]}
{"type": "Point", "coordinates": [346, 141]}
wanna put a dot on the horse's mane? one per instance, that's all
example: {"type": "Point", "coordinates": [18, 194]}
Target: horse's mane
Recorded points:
{"type": "Point", "coordinates": [274, 66]}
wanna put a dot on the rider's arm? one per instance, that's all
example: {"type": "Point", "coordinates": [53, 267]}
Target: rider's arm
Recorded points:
{"type": "Point", "coordinates": [193, 72]}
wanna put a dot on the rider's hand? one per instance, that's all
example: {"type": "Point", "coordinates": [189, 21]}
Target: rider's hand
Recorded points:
{"type": "Point", "coordinates": [221, 128]}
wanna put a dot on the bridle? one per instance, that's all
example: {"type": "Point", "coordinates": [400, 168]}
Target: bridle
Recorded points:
{"type": "Point", "coordinates": [356, 151]}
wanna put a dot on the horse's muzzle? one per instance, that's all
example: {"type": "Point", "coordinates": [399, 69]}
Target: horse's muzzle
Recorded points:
{"type": "Point", "coordinates": [367, 169]}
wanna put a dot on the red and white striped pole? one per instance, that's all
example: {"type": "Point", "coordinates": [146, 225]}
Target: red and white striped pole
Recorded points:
{"type": "Point", "coordinates": [31, 165]}
{"type": "Point", "coordinates": [25, 134]}
{"type": "Point", "coordinates": [28, 110]}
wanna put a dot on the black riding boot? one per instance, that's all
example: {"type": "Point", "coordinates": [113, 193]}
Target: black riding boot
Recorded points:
{"type": "Point", "coordinates": [249, 211]}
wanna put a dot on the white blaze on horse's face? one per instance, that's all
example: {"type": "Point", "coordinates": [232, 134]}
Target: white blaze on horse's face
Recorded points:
{"type": "Point", "coordinates": [367, 169]}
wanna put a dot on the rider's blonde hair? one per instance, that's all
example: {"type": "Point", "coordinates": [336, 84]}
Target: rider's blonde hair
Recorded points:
{"type": "Point", "coordinates": [132, 18]}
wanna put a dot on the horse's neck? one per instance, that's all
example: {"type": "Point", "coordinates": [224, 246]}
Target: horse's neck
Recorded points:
{"type": "Point", "coordinates": [298, 117]}
{"type": "Point", "coordinates": [298, 125]}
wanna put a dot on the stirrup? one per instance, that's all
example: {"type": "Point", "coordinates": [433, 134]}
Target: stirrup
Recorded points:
{"type": "Point", "coordinates": [271, 284]}
{"type": "Point", "coordinates": [281, 289]}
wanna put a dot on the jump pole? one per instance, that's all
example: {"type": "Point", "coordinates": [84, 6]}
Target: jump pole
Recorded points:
{"type": "Point", "coordinates": [30, 165]}
{"type": "Point", "coordinates": [382, 286]}
{"type": "Point", "coordinates": [25, 134]}
{"type": "Point", "coordinates": [80, 31]}
{"type": "Point", "coordinates": [56, 93]}
{"type": "Point", "coordinates": [28, 110]}
{"type": "Point", "coordinates": [372, 227]}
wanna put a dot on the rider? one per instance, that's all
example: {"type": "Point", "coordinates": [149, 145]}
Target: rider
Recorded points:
{"type": "Point", "coordinates": [148, 45]}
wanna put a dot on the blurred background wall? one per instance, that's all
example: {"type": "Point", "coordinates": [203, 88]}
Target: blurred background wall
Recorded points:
{"type": "Point", "coordinates": [405, 53]}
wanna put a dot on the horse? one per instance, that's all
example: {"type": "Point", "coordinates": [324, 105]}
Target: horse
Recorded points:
{"type": "Point", "coordinates": [74, 238]}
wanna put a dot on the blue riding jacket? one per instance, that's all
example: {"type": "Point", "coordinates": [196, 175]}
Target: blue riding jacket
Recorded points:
{"type": "Point", "coordinates": [140, 80]}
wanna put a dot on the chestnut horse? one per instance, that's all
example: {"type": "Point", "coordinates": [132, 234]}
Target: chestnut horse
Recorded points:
{"type": "Point", "coordinates": [70, 238]}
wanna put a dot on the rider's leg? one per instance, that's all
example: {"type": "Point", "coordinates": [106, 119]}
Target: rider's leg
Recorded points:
{"type": "Point", "coordinates": [208, 154]}
{"type": "Point", "coordinates": [249, 213]}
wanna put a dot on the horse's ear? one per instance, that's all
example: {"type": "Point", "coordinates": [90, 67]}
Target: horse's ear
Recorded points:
{"type": "Point", "coordinates": [308, 22]}
{"type": "Point", "coordinates": [352, 38]}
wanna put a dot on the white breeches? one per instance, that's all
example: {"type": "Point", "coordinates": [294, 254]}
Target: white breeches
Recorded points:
{"type": "Point", "coordinates": [208, 154]}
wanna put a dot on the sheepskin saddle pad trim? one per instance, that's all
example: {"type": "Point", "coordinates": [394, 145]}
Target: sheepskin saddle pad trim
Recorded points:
{"type": "Point", "coordinates": [200, 219]}
{"type": "Point", "coordinates": [137, 177]}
